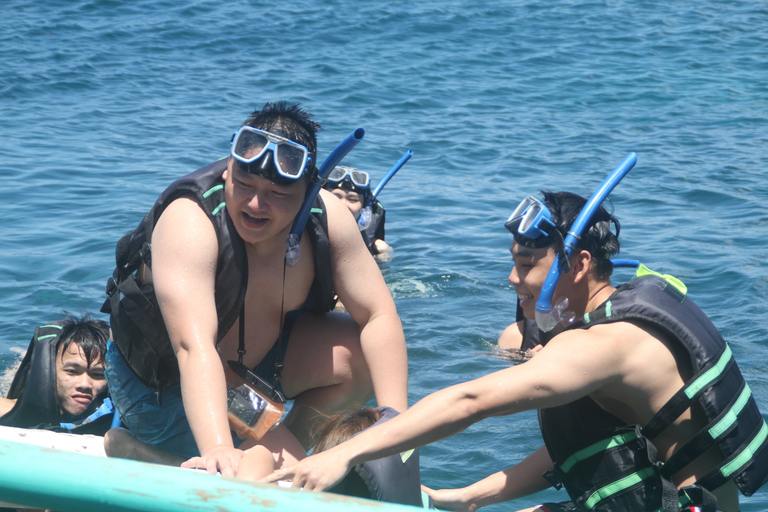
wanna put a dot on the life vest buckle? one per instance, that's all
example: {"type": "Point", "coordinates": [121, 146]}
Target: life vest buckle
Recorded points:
{"type": "Point", "coordinates": [554, 477]}
{"type": "Point", "coordinates": [111, 286]}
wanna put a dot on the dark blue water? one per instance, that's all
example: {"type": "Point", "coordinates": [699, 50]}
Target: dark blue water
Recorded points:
{"type": "Point", "coordinates": [103, 103]}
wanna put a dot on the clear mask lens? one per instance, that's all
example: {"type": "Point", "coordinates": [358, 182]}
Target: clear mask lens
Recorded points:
{"type": "Point", "coordinates": [250, 144]}
{"type": "Point", "coordinates": [357, 178]}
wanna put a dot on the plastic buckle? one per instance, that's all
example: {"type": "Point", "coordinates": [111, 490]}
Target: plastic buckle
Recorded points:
{"type": "Point", "coordinates": [111, 286]}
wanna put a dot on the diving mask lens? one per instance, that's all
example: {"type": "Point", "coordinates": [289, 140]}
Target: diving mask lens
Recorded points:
{"type": "Point", "coordinates": [531, 219]}
{"type": "Point", "coordinates": [523, 207]}
{"type": "Point", "coordinates": [250, 144]}
{"type": "Point", "coordinates": [358, 178]}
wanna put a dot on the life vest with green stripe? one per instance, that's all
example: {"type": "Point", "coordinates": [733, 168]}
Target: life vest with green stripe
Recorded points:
{"type": "Point", "coordinates": [34, 388]}
{"type": "Point", "coordinates": [138, 328]}
{"type": "Point", "coordinates": [606, 465]}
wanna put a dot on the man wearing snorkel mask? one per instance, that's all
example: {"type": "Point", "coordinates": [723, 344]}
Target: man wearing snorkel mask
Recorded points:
{"type": "Point", "coordinates": [641, 405]}
{"type": "Point", "coordinates": [202, 285]}
{"type": "Point", "coordinates": [353, 188]}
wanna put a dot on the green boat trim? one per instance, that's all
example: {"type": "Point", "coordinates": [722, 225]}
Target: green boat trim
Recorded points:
{"type": "Point", "coordinates": [39, 477]}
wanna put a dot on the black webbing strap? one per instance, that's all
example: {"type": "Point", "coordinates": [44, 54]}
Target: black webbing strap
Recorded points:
{"type": "Point", "coordinates": [680, 402]}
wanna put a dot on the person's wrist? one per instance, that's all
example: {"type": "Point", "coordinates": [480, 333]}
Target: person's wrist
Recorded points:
{"type": "Point", "coordinates": [216, 447]}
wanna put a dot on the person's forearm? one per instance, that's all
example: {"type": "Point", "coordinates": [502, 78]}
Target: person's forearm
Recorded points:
{"type": "Point", "coordinates": [520, 480]}
{"type": "Point", "coordinates": [437, 416]}
{"type": "Point", "coordinates": [385, 354]}
{"type": "Point", "coordinates": [204, 392]}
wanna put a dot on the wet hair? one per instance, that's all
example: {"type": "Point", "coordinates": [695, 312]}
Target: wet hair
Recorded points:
{"type": "Point", "coordinates": [342, 427]}
{"type": "Point", "coordinates": [597, 237]}
{"type": "Point", "coordinates": [289, 121]}
{"type": "Point", "coordinates": [90, 334]}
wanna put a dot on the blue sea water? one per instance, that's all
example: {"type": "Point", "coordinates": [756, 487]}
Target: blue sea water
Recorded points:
{"type": "Point", "coordinates": [103, 103]}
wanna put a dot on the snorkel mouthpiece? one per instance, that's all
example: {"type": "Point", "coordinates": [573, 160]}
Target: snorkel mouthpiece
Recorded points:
{"type": "Point", "coordinates": [292, 249]}
{"type": "Point", "coordinates": [366, 216]}
{"type": "Point", "coordinates": [547, 315]}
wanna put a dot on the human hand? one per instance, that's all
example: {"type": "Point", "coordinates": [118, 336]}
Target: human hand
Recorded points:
{"type": "Point", "coordinates": [449, 499]}
{"type": "Point", "coordinates": [316, 473]}
{"type": "Point", "coordinates": [225, 459]}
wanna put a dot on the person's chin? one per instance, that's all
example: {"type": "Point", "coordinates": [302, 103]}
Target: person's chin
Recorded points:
{"type": "Point", "coordinates": [77, 408]}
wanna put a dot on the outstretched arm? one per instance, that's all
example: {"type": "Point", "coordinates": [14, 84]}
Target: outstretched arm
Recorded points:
{"type": "Point", "coordinates": [560, 373]}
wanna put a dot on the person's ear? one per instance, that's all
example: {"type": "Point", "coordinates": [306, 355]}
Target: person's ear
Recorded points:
{"type": "Point", "coordinates": [581, 265]}
{"type": "Point", "coordinates": [226, 171]}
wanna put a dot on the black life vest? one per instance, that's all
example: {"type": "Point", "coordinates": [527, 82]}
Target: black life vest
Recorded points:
{"type": "Point", "coordinates": [532, 335]}
{"type": "Point", "coordinates": [607, 465]}
{"type": "Point", "coordinates": [138, 327]}
{"type": "Point", "coordinates": [34, 388]}
{"type": "Point", "coordinates": [375, 229]}
{"type": "Point", "coordinates": [394, 479]}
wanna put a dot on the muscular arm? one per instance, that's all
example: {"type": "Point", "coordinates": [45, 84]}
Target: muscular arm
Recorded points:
{"type": "Point", "coordinates": [184, 256]}
{"type": "Point", "coordinates": [361, 288]}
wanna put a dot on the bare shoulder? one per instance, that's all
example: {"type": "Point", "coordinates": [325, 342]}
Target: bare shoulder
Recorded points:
{"type": "Point", "coordinates": [343, 231]}
{"type": "Point", "coordinates": [583, 360]}
{"type": "Point", "coordinates": [511, 338]}
{"type": "Point", "coordinates": [182, 220]}
{"type": "Point", "coordinates": [341, 222]}
{"type": "Point", "coordinates": [183, 243]}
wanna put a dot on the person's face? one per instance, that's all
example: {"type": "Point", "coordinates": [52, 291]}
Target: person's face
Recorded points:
{"type": "Point", "coordinates": [260, 209]}
{"type": "Point", "coordinates": [529, 272]}
{"type": "Point", "coordinates": [351, 200]}
{"type": "Point", "coordinates": [77, 384]}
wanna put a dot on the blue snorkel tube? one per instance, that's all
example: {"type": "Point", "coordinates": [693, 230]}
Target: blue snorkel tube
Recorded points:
{"type": "Point", "coordinates": [292, 249]}
{"type": "Point", "coordinates": [547, 315]}
{"type": "Point", "coordinates": [380, 185]}
{"type": "Point", "coordinates": [366, 214]}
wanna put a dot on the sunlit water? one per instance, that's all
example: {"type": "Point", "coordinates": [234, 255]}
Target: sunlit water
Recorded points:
{"type": "Point", "coordinates": [103, 103]}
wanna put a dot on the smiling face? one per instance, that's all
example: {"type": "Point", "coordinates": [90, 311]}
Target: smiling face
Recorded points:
{"type": "Point", "coordinates": [261, 209]}
{"type": "Point", "coordinates": [77, 382]}
{"type": "Point", "coordinates": [529, 272]}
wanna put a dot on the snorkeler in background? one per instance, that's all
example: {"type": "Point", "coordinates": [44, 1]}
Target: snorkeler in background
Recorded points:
{"type": "Point", "coordinates": [353, 187]}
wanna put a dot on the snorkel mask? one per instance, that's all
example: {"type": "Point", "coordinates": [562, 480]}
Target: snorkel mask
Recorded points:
{"type": "Point", "coordinates": [349, 178]}
{"type": "Point", "coordinates": [354, 180]}
{"type": "Point", "coordinates": [271, 156]}
{"type": "Point", "coordinates": [531, 224]}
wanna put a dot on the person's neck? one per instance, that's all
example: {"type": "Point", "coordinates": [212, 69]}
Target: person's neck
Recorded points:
{"type": "Point", "coordinates": [270, 247]}
{"type": "Point", "coordinates": [598, 294]}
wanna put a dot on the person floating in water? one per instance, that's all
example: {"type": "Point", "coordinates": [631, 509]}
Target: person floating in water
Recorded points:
{"type": "Point", "coordinates": [642, 406]}
{"type": "Point", "coordinates": [353, 188]}
{"type": "Point", "coordinates": [60, 383]}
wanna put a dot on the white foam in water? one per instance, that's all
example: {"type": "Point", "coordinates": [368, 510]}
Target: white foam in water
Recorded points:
{"type": "Point", "coordinates": [7, 376]}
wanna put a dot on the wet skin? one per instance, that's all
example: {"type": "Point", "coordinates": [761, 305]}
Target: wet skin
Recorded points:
{"type": "Point", "coordinates": [77, 382]}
